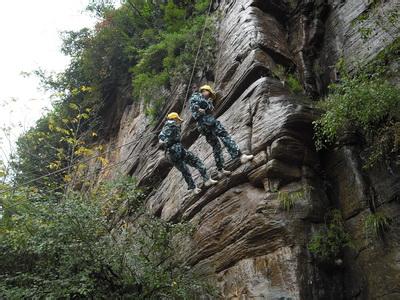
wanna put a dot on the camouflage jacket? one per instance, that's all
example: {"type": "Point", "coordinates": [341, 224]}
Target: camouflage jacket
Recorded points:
{"type": "Point", "coordinates": [198, 101]}
{"type": "Point", "coordinates": [170, 134]}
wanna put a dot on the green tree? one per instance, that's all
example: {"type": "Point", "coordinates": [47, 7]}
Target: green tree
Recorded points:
{"type": "Point", "coordinates": [86, 246]}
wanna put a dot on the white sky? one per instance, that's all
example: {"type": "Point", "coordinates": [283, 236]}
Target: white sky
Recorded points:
{"type": "Point", "coordinates": [30, 38]}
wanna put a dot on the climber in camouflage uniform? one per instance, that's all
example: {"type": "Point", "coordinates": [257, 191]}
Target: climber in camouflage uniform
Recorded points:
{"type": "Point", "coordinates": [201, 107]}
{"type": "Point", "coordinates": [170, 136]}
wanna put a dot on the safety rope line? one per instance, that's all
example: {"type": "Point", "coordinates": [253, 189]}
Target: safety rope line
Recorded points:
{"type": "Point", "coordinates": [78, 162]}
{"type": "Point", "coordinates": [86, 176]}
{"type": "Point", "coordinates": [126, 144]}
{"type": "Point", "coordinates": [198, 53]}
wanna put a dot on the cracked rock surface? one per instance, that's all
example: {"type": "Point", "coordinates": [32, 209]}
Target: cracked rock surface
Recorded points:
{"type": "Point", "coordinates": [256, 249]}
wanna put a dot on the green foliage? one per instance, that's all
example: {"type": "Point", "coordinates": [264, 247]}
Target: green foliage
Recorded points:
{"type": "Point", "coordinates": [76, 247]}
{"type": "Point", "coordinates": [57, 142]}
{"type": "Point", "coordinates": [376, 224]}
{"type": "Point", "coordinates": [369, 103]}
{"type": "Point", "coordinates": [292, 4]}
{"type": "Point", "coordinates": [377, 18]}
{"type": "Point", "coordinates": [170, 59]}
{"type": "Point", "coordinates": [362, 101]}
{"type": "Point", "coordinates": [141, 47]}
{"type": "Point", "coordinates": [57, 243]}
{"type": "Point", "coordinates": [328, 243]}
{"type": "Point", "coordinates": [289, 79]}
{"type": "Point", "coordinates": [288, 200]}
{"type": "Point", "coordinates": [294, 84]}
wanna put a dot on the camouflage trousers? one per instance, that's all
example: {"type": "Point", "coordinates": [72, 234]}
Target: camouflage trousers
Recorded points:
{"type": "Point", "coordinates": [213, 131]}
{"type": "Point", "coordinates": [181, 158]}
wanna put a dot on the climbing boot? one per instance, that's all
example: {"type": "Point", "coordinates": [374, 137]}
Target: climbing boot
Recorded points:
{"type": "Point", "coordinates": [245, 158]}
{"type": "Point", "coordinates": [195, 191]}
{"type": "Point", "coordinates": [210, 182]}
{"type": "Point", "coordinates": [224, 172]}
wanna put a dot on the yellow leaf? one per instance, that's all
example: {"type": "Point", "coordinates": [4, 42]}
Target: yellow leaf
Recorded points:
{"type": "Point", "coordinates": [104, 161]}
{"type": "Point", "coordinates": [73, 106]}
{"type": "Point", "coordinates": [75, 92]}
{"type": "Point", "coordinates": [81, 167]}
{"type": "Point", "coordinates": [67, 178]}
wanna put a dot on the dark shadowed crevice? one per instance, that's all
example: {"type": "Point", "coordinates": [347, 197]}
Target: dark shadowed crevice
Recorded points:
{"type": "Point", "coordinates": [133, 168]}
{"type": "Point", "coordinates": [157, 176]}
{"type": "Point", "coordinates": [279, 58]}
{"type": "Point", "coordinates": [253, 75]}
{"type": "Point", "coordinates": [277, 8]}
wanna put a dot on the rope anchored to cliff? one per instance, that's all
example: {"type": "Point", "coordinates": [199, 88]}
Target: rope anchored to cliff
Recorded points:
{"type": "Point", "coordinates": [198, 52]}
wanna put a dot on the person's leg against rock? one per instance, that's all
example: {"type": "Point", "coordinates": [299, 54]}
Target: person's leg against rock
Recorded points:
{"type": "Point", "coordinates": [183, 168]}
{"type": "Point", "coordinates": [194, 161]}
{"type": "Point", "coordinates": [217, 150]}
{"type": "Point", "coordinates": [213, 140]}
{"type": "Point", "coordinates": [230, 144]}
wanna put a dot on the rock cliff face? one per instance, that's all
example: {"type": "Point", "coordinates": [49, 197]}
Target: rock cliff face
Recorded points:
{"type": "Point", "coordinates": [255, 249]}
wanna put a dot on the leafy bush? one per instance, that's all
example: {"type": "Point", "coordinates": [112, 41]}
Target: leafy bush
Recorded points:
{"type": "Point", "coordinates": [328, 243]}
{"type": "Point", "coordinates": [170, 60]}
{"type": "Point", "coordinates": [74, 249]}
{"type": "Point", "coordinates": [368, 103]}
{"type": "Point", "coordinates": [362, 101]}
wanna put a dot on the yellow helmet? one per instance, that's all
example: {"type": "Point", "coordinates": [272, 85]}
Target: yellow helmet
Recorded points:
{"type": "Point", "coordinates": [207, 88]}
{"type": "Point", "coordinates": [174, 116]}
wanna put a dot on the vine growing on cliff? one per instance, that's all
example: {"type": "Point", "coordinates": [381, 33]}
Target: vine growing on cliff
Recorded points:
{"type": "Point", "coordinates": [289, 79]}
{"type": "Point", "coordinates": [168, 61]}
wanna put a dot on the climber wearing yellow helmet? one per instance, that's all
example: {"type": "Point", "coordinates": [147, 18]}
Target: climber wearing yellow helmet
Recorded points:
{"type": "Point", "coordinates": [170, 136]}
{"type": "Point", "coordinates": [201, 107]}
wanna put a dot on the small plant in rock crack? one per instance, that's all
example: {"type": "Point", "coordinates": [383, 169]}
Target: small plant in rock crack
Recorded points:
{"type": "Point", "coordinates": [288, 79]}
{"type": "Point", "coordinates": [287, 200]}
{"type": "Point", "coordinates": [376, 224]}
{"type": "Point", "coordinates": [328, 243]}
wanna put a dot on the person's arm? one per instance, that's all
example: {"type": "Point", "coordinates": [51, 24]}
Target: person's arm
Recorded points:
{"type": "Point", "coordinates": [195, 108]}
{"type": "Point", "coordinates": [210, 107]}
{"type": "Point", "coordinates": [169, 134]}
{"type": "Point", "coordinates": [164, 134]}
{"type": "Point", "coordinates": [161, 140]}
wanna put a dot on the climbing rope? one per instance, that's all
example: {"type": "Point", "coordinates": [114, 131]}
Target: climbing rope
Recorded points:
{"type": "Point", "coordinates": [198, 52]}
{"type": "Point", "coordinates": [78, 162]}
{"type": "Point", "coordinates": [83, 177]}
{"type": "Point", "coordinates": [129, 143]}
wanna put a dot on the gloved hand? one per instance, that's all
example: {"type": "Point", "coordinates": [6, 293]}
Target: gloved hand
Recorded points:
{"type": "Point", "coordinates": [202, 111]}
{"type": "Point", "coordinates": [162, 144]}
{"type": "Point", "coordinates": [209, 121]}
